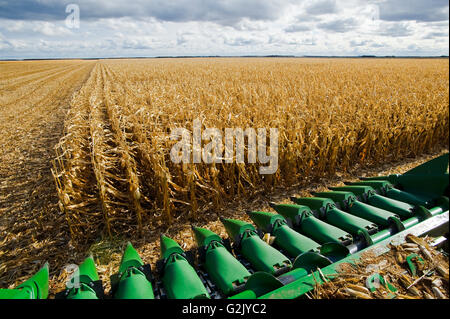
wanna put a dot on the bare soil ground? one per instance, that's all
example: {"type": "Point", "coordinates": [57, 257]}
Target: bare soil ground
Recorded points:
{"type": "Point", "coordinates": [34, 98]}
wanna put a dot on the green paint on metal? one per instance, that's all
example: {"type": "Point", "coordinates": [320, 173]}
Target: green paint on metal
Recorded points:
{"type": "Point", "coordinates": [236, 228]}
{"type": "Point", "coordinates": [348, 201]}
{"type": "Point", "coordinates": [393, 179]}
{"type": "Point", "coordinates": [303, 219]}
{"type": "Point", "coordinates": [266, 221]}
{"type": "Point", "coordinates": [257, 285]}
{"type": "Point", "coordinates": [437, 166]}
{"type": "Point", "coordinates": [132, 281]}
{"type": "Point", "coordinates": [179, 278]}
{"type": "Point", "coordinates": [336, 217]}
{"type": "Point", "coordinates": [130, 258]}
{"type": "Point", "coordinates": [223, 268]}
{"type": "Point", "coordinates": [385, 188]}
{"type": "Point", "coordinates": [310, 261]}
{"type": "Point", "coordinates": [373, 214]}
{"type": "Point", "coordinates": [380, 236]}
{"type": "Point", "coordinates": [292, 242]}
{"type": "Point", "coordinates": [314, 203]}
{"type": "Point", "coordinates": [410, 222]}
{"type": "Point", "coordinates": [84, 291]}
{"type": "Point", "coordinates": [410, 259]}
{"type": "Point", "coordinates": [358, 190]}
{"type": "Point", "coordinates": [299, 287]}
{"type": "Point", "coordinates": [404, 210]}
{"type": "Point", "coordinates": [334, 251]}
{"type": "Point", "coordinates": [442, 205]}
{"type": "Point", "coordinates": [348, 222]}
{"type": "Point", "coordinates": [245, 295]}
{"type": "Point", "coordinates": [81, 285]}
{"type": "Point", "coordinates": [340, 197]}
{"type": "Point", "coordinates": [380, 185]}
{"type": "Point", "coordinates": [87, 271]}
{"type": "Point", "coordinates": [204, 236]}
{"type": "Point", "coordinates": [261, 255]}
{"type": "Point", "coordinates": [291, 212]}
{"type": "Point", "coordinates": [406, 197]}
{"type": "Point", "coordinates": [169, 247]}
{"type": "Point", "coordinates": [427, 186]}
{"type": "Point", "coordinates": [133, 284]}
{"type": "Point", "coordinates": [34, 288]}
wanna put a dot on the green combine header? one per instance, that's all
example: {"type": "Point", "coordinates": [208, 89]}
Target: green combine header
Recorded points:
{"type": "Point", "coordinates": [284, 254]}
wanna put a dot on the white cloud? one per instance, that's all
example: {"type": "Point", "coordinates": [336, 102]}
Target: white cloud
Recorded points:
{"type": "Point", "coordinates": [50, 29]}
{"type": "Point", "coordinates": [223, 28]}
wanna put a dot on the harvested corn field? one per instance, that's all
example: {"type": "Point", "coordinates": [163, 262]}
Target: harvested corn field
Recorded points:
{"type": "Point", "coordinates": [34, 99]}
{"type": "Point", "coordinates": [113, 170]}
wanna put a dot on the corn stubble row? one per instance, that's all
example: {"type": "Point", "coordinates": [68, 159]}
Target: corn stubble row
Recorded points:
{"type": "Point", "coordinates": [113, 170]}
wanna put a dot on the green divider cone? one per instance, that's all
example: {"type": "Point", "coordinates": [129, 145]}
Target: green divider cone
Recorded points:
{"type": "Point", "coordinates": [266, 221]}
{"type": "Point", "coordinates": [314, 203]}
{"type": "Point", "coordinates": [303, 219]}
{"type": "Point", "coordinates": [261, 255]}
{"type": "Point", "coordinates": [359, 190]}
{"type": "Point", "coordinates": [34, 288]}
{"type": "Point", "coordinates": [236, 228]}
{"type": "Point", "coordinates": [336, 217]}
{"type": "Point", "coordinates": [291, 212]}
{"type": "Point", "coordinates": [292, 242]}
{"type": "Point", "coordinates": [413, 199]}
{"type": "Point", "coordinates": [132, 281]}
{"type": "Point", "coordinates": [81, 285]}
{"type": "Point", "coordinates": [404, 210]}
{"type": "Point", "coordinates": [348, 201]}
{"type": "Point", "coordinates": [204, 236]}
{"type": "Point", "coordinates": [340, 197]}
{"type": "Point", "coordinates": [368, 194]}
{"type": "Point", "coordinates": [88, 271]}
{"type": "Point", "coordinates": [375, 214]}
{"type": "Point", "coordinates": [379, 185]}
{"type": "Point", "coordinates": [179, 278]}
{"type": "Point", "coordinates": [308, 253]}
{"type": "Point", "coordinates": [130, 258]}
{"type": "Point", "coordinates": [169, 247]}
{"type": "Point", "coordinates": [38, 284]}
{"type": "Point", "coordinates": [385, 188]}
{"type": "Point", "coordinates": [223, 268]}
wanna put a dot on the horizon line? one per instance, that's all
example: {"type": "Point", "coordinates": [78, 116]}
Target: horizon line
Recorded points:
{"type": "Point", "coordinates": [229, 56]}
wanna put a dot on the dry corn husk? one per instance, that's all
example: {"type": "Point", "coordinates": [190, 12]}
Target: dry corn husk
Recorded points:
{"type": "Point", "coordinates": [394, 271]}
{"type": "Point", "coordinates": [357, 293]}
{"type": "Point", "coordinates": [426, 253]}
{"type": "Point", "coordinates": [437, 292]}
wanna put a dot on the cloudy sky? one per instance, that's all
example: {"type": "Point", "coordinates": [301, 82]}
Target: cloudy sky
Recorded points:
{"type": "Point", "coordinates": [118, 28]}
